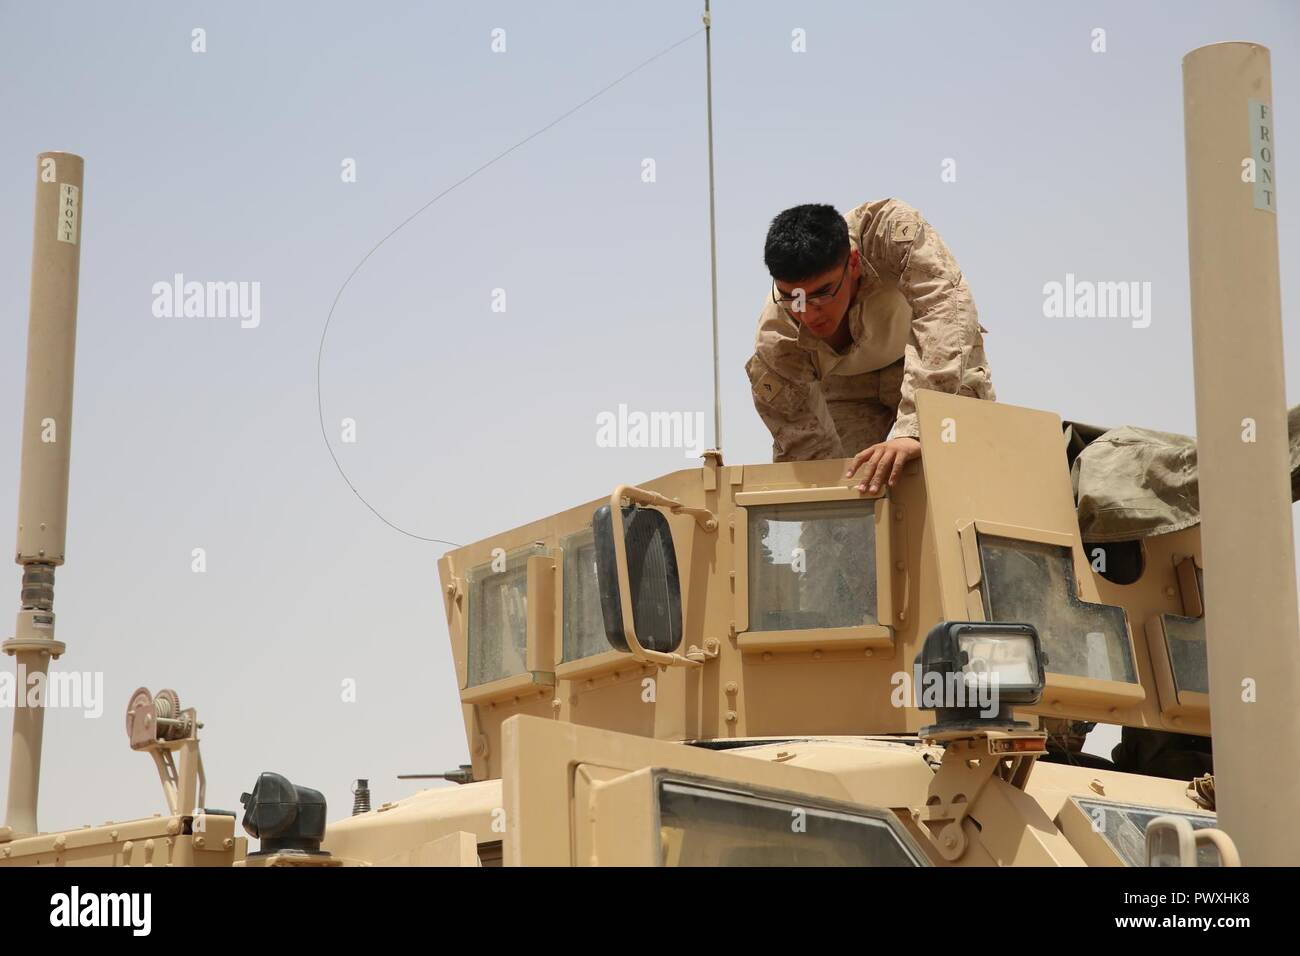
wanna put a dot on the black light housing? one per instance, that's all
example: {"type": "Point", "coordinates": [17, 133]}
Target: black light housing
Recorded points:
{"type": "Point", "coordinates": [968, 668]}
{"type": "Point", "coordinates": [284, 816]}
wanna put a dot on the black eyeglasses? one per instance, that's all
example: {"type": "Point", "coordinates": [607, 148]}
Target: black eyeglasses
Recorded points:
{"type": "Point", "coordinates": [786, 302]}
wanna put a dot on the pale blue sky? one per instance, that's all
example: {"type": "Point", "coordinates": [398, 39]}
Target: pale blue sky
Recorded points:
{"type": "Point", "coordinates": [226, 166]}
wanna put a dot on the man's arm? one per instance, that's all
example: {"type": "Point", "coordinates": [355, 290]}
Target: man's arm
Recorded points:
{"type": "Point", "coordinates": [945, 350]}
{"type": "Point", "coordinates": [787, 396]}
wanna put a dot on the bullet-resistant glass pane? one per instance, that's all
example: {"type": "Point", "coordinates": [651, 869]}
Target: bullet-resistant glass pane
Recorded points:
{"type": "Point", "coordinates": [699, 826]}
{"type": "Point", "coordinates": [498, 617]}
{"type": "Point", "coordinates": [1125, 829]}
{"type": "Point", "coordinates": [584, 627]}
{"type": "Point", "coordinates": [1187, 654]}
{"type": "Point", "coordinates": [1186, 639]}
{"type": "Point", "coordinates": [1032, 583]}
{"type": "Point", "coordinates": [812, 565]}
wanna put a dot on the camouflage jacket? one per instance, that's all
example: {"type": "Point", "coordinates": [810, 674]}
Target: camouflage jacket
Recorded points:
{"type": "Point", "coordinates": [913, 325]}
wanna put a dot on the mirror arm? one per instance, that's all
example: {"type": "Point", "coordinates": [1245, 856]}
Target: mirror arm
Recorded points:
{"type": "Point", "coordinates": [705, 518]}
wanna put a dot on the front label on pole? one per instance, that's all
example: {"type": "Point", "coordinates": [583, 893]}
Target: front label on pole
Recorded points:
{"type": "Point", "coordinates": [67, 226]}
{"type": "Point", "coordinates": [1261, 148]}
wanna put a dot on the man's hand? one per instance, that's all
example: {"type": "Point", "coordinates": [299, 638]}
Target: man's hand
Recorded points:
{"type": "Point", "coordinates": [883, 461]}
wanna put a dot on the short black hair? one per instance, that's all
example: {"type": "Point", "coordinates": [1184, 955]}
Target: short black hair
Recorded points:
{"type": "Point", "coordinates": [804, 241]}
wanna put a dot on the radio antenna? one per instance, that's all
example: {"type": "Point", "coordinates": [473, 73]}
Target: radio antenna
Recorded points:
{"type": "Point", "coordinates": [713, 231]}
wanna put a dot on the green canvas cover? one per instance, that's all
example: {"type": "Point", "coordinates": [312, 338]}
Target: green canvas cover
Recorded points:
{"type": "Point", "coordinates": [1134, 482]}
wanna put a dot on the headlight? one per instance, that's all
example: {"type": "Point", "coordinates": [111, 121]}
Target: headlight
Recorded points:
{"type": "Point", "coordinates": [1009, 660]}
{"type": "Point", "coordinates": [971, 673]}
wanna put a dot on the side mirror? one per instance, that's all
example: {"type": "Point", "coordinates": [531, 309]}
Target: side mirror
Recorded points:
{"type": "Point", "coordinates": [636, 572]}
{"type": "Point", "coordinates": [1171, 841]}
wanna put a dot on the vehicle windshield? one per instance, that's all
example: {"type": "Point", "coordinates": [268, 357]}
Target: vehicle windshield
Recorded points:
{"type": "Point", "coordinates": [701, 826]}
{"type": "Point", "coordinates": [1124, 827]}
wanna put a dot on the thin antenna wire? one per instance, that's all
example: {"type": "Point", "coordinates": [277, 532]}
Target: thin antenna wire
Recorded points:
{"type": "Point", "coordinates": [320, 352]}
{"type": "Point", "coordinates": [713, 229]}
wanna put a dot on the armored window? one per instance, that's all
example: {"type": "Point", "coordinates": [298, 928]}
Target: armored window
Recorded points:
{"type": "Point", "coordinates": [1033, 583]}
{"type": "Point", "coordinates": [498, 617]}
{"type": "Point", "coordinates": [1124, 827]}
{"type": "Point", "coordinates": [1185, 637]}
{"type": "Point", "coordinates": [812, 565]}
{"type": "Point", "coordinates": [584, 627]}
{"type": "Point", "coordinates": [704, 826]}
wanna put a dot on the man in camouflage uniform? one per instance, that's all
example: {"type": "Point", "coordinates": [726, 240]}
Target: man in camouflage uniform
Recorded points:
{"type": "Point", "coordinates": [864, 310]}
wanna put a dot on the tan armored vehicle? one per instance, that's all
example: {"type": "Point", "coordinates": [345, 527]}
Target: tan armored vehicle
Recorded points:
{"type": "Point", "coordinates": [758, 665]}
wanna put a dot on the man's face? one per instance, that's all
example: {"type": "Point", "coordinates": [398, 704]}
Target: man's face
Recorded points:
{"type": "Point", "coordinates": [821, 302]}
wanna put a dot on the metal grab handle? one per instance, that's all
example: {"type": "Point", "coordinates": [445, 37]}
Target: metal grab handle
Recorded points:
{"type": "Point", "coordinates": [1188, 840]}
{"type": "Point", "coordinates": [1228, 855]}
{"type": "Point", "coordinates": [703, 517]}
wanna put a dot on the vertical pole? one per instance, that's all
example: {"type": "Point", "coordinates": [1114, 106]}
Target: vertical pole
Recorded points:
{"type": "Point", "coordinates": [713, 232]}
{"type": "Point", "coordinates": [1252, 628]}
{"type": "Point", "coordinates": [43, 485]}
